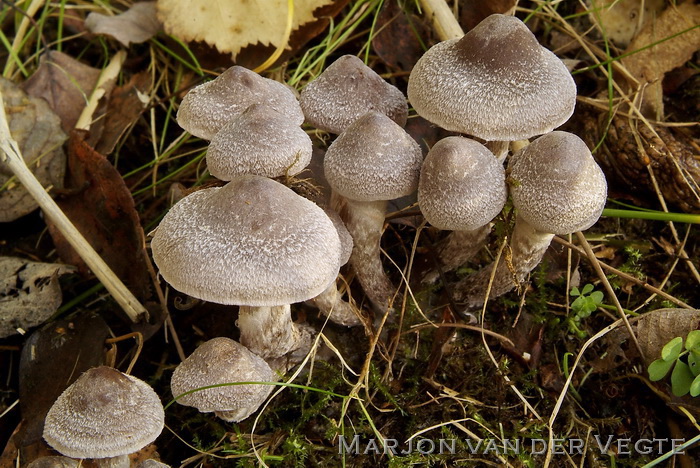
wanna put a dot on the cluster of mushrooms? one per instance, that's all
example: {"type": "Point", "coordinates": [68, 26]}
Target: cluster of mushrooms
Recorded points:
{"type": "Point", "coordinates": [257, 244]}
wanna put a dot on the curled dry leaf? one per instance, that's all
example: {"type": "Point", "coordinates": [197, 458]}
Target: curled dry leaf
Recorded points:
{"type": "Point", "coordinates": [656, 328]}
{"type": "Point", "coordinates": [231, 25]}
{"type": "Point", "coordinates": [38, 133]}
{"type": "Point", "coordinates": [29, 293]}
{"type": "Point", "coordinates": [65, 83]}
{"type": "Point", "coordinates": [137, 24]}
{"type": "Point", "coordinates": [621, 20]}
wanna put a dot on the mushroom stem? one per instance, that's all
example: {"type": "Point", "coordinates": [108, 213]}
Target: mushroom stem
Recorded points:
{"type": "Point", "coordinates": [365, 222]}
{"type": "Point", "coordinates": [269, 332]}
{"type": "Point", "coordinates": [331, 304]}
{"type": "Point", "coordinates": [457, 249]}
{"type": "Point", "coordinates": [527, 247]}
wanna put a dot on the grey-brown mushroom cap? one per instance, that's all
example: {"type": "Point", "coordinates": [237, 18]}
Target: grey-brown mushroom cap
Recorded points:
{"type": "Point", "coordinates": [207, 107]}
{"type": "Point", "coordinates": [104, 414]}
{"type": "Point", "coordinates": [218, 361]}
{"type": "Point", "coordinates": [54, 462]}
{"type": "Point", "coordinates": [259, 141]}
{"type": "Point", "coordinates": [496, 82]}
{"type": "Point", "coordinates": [346, 242]}
{"type": "Point", "coordinates": [373, 159]}
{"type": "Point", "coordinates": [345, 91]}
{"type": "Point", "coordinates": [462, 185]}
{"type": "Point", "coordinates": [252, 242]}
{"type": "Point", "coordinates": [557, 185]}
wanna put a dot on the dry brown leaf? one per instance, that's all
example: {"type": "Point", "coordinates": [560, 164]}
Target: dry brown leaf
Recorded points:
{"type": "Point", "coordinates": [622, 19]}
{"type": "Point", "coordinates": [650, 65]}
{"type": "Point", "coordinates": [658, 327]}
{"type": "Point", "coordinates": [29, 293]}
{"type": "Point", "coordinates": [65, 83]}
{"type": "Point", "coordinates": [137, 24]}
{"type": "Point", "coordinates": [38, 132]}
{"type": "Point", "coordinates": [231, 25]}
{"type": "Point", "coordinates": [472, 12]}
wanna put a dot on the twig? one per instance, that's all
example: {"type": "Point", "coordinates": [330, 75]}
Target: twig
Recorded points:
{"type": "Point", "coordinates": [10, 155]}
{"type": "Point", "coordinates": [444, 22]}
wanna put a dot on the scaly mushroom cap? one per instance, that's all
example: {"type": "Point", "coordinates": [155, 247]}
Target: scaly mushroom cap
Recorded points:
{"type": "Point", "coordinates": [345, 91]}
{"type": "Point", "coordinates": [462, 185]}
{"type": "Point", "coordinates": [496, 82]}
{"type": "Point", "coordinates": [259, 141]}
{"type": "Point", "coordinates": [222, 360]}
{"type": "Point", "coordinates": [104, 414]}
{"type": "Point", "coordinates": [373, 159]}
{"type": "Point", "coordinates": [557, 186]}
{"type": "Point", "coordinates": [252, 242]}
{"type": "Point", "coordinates": [207, 108]}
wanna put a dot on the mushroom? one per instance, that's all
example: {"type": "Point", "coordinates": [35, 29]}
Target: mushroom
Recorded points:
{"type": "Point", "coordinates": [496, 83]}
{"type": "Point", "coordinates": [104, 415]}
{"type": "Point", "coordinates": [253, 243]}
{"type": "Point", "coordinates": [345, 91]}
{"type": "Point", "coordinates": [259, 141]}
{"type": "Point", "coordinates": [557, 188]}
{"type": "Point", "coordinates": [220, 361]}
{"type": "Point", "coordinates": [54, 462]}
{"type": "Point", "coordinates": [374, 160]}
{"type": "Point", "coordinates": [207, 107]}
{"type": "Point", "coordinates": [462, 188]}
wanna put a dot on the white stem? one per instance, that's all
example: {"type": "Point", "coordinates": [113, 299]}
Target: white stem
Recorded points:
{"type": "Point", "coordinates": [12, 157]}
{"type": "Point", "coordinates": [527, 247]}
{"type": "Point", "coordinates": [331, 304]}
{"type": "Point", "coordinates": [365, 222]}
{"type": "Point", "coordinates": [457, 249]}
{"type": "Point", "coordinates": [269, 332]}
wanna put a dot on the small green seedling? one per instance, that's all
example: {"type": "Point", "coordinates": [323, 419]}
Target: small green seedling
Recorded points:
{"type": "Point", "coordinates": [685, 377]}
{"type": "Point", "coordinates": [585, 303]}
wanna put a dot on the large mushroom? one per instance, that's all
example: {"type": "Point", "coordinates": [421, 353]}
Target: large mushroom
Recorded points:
{"type": "Point", "coordinates": [253, 243]}
{"type": "Point", "coordinates": [496, 83]}
{"type": "Point", "coordinates": [462, 188]}
{"type": "Point", "coordinates": [223, 361]}
{"type": "Point", "coordinates": [557, 188]}
{"type": "Point", "coordinates": [104, 415]}
{"type": "Point", "coordinates": [374, 160]}
{"type": "Point", "coordinates": [209, 106]}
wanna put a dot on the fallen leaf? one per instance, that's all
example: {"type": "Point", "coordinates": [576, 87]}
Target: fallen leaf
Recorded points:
{"type": "Point", "coordinates": [29, 293]}
{"type": "Point", "coordinates": [621, 20]}
{"type": "Point", "coordinates": [649, 64]}
{"type": "Point", "coordinates": [124, 106]}
{"type": "Point", "coordinates": [52, 358]}
{"type": "Point", "coordinates": [398, 41]}
{"type": "Point", "coordinates": [658, 327]}
{"type": "Point", "coordinates": [231, 25]}
{"type": "Point", "coordinates": [38, 132]}
{"type": "Point", "coordinates": [137, 24]}
{"type": "Point", "coordinates": [65, 83]}
{"type": "Point", "coordinates": [101, 207]}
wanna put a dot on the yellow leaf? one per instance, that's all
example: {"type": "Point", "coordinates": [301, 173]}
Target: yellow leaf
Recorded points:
{"type": "Point", "coordinates": [231, 25]}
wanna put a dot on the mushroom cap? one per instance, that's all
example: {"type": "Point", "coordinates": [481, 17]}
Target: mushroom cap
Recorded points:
{"type": "Point", "coordinates": [222, 360]}
{"type": "Point", "coordinates": [251, 242]}
{"type": "Point", "coordinates": [54, 462]}
{"type": "Point", "coordinates": [373, 159]}
{"type": "Point", "coordinates": [557, 185]}
{"type": "Point", "coordinates": [346, 242]}
{"type": "Point", "coordinates": [259, 141]}
{"type": "Point", "coordinates": [345, 91]}
{"type": "Point", "coordinates": [104, 413]}
{"type": "Point", "coordinates": [207, 107]}
{"type": "Point", "coordinates": [462, 185]}
{"type": "Point", "coordinates": [496, 82]}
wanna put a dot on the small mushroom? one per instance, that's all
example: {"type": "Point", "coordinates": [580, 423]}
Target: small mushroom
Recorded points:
{"type": "Point", "coordinates": [345, 91]}
{"type": "Point", "coordinates": [557, 188]}
{"type": "Point", "coordinates": [462, 188]}
{"type": "Point", "coordinates": [259, 141]}
{"type": "Point", "coordinates": [253, 243]}
{"type": "Point", "coordinates": [374, 160]}
{"type": "Point", "coordinates": [220, 361]}
{"type": "Point", "coordinates": [496, 83]}
{"type": "Point", "coordinates": [54, 462]}
{"type": "Point", "coordinates": [209, 106]}
{"type": "Point", "coordinates": [104, 415]}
